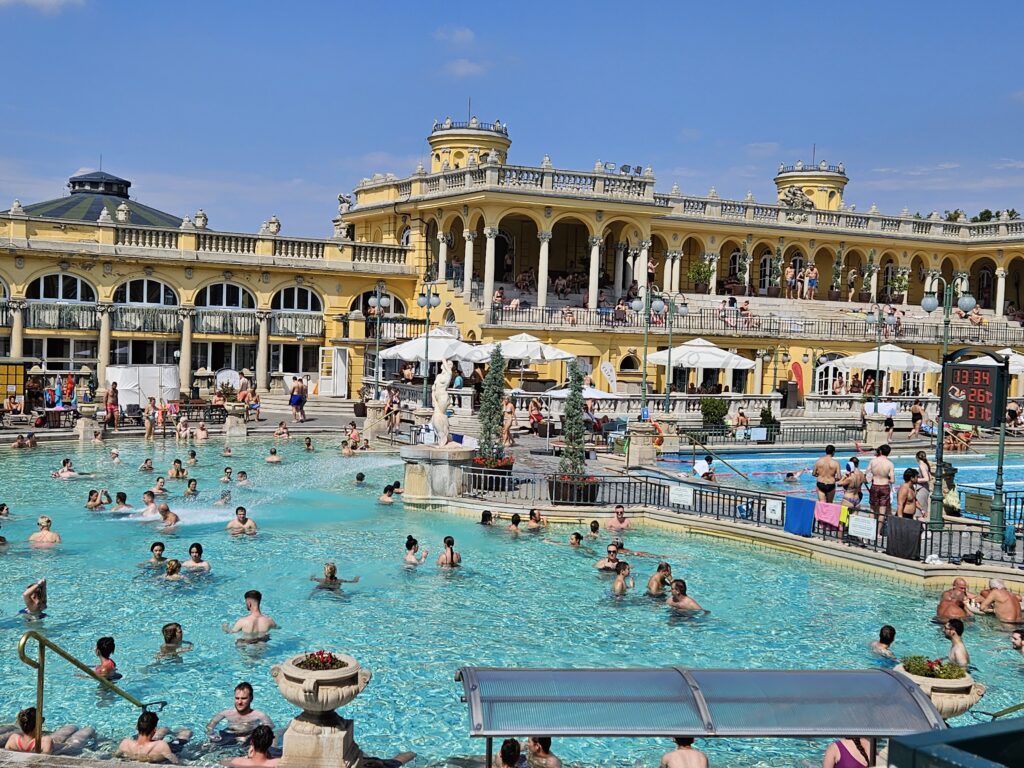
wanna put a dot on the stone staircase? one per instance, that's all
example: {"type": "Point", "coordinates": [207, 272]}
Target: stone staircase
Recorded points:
{"type": "Point", "coordinates": [332, 407]}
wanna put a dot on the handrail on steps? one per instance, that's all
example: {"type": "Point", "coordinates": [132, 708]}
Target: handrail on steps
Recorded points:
{"type": "Point", "coordinates": [39, 665]}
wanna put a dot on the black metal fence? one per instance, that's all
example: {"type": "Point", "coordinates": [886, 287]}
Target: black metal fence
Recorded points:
{"type": "Point", "coordinates": [741, 506]}
{"type": "Point", "coordinates": [795, 434]}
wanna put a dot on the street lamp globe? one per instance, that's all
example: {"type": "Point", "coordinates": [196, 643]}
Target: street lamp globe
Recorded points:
{"type": "Point", "coordinates": [421, 300]}
{"type": "Point", "coordinates": [966, 302]}
{"type": "Point", "coordinates": [637, 305]}
{"type": "Point", "coordinates": [890, 319]}
{"type": "Point", "coordinates": [657, 306]}
{"type": "Point", "coordinates": [683, 310]}
{"type": "Point", "coordinates": [805, 358]}
{"type": "Point", "coordinates": [372, 302]}
{"type": "Point", "coordinates": [930, 302]}
{"type": "Point", "coordinates": [435, 300]}
{"type": "Point", "coordinates": [385, 302]}
{"type": "Point", "coordinates": [871, 318]}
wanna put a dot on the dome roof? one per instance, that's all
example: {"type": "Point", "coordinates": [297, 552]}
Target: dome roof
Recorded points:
{"type": "Point", "coordinates": [91, 193]}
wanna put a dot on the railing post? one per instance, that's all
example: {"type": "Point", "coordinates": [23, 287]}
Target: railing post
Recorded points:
{"type": "Point", "coordinates": [40, 672]}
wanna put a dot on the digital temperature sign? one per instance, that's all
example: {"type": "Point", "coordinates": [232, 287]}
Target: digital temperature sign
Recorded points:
{"type": "Point", "coordinates": [973, 395]}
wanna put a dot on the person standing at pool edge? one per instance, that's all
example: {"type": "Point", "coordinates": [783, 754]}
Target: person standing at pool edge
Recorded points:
{"type": "Point", "coordinates": [255, 626]}
{"type": "Point", "coordinates": [883, 475]}
{"type": "Point", "coordinates": [826, 471]}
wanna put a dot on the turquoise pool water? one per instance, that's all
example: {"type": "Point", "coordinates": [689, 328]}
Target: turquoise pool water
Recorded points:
{"type": "Point", "coordinates": [518, 601]}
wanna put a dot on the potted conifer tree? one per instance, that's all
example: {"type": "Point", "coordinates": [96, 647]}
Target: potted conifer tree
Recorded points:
{"type": "Point", "coordinates": [572, 484]}
{"type": "Point", "coordinates": [493, 469]}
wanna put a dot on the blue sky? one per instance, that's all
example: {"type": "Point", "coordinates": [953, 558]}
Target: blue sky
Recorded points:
{"type": "Point", "coordinates": [248, 109]}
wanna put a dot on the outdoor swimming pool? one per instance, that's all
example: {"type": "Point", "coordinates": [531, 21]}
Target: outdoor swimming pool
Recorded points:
{"type": "Point", "coordinates": [517, 602]}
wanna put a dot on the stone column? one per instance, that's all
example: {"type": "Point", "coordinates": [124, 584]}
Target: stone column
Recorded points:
{"type": "Point", "coordinates": [677, 268]}
{"type": "Point", "coordinates": [666, 280]}
{"type": "Point", "coordinates": [442, 257]}
{"type": "Point", "coordinates": [185, 361]}
{"type": "Point", "coordinates": [542, 269]}
{"type": "Point", "coordinates": [874, 286]}
{"type": "Point", "coordinates": [640, 271]}
{"type": "Point", "coordinates": [629, 269]}
{"type": "Point", "coordinates": [467, 267]}
{"type": "Point", "coordinates": [263, 352]}
{"type": "Point", "coordinates": [595, 263]}
{"type": "Point", "coordinates": [103, 359]}
{"type": "Point", "coordinates": [758, 375]}
{"type": "Point", "coordinates": [905, 272]}
{"type": "Point", "coordinates": [620, 258]}
{"type": "Point", "coordinates": [1000, 291]}
{"type": "Point", "coordinates": [17, 309]}
{"type": "Point", "coordinates": [491, 233]}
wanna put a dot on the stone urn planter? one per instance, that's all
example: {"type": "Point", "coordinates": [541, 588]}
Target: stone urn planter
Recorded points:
{"type": "Point", "coordinates": [235, 409]}
{"type": "Point", "coordinates": [88, 410]}
{"type": "Point", "coordinates": [950, 697]}
{"type": "Point", "coordinates": [319, 737]}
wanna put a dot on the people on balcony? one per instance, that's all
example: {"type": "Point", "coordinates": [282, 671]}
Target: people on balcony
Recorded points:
{"type": "Point", "coordinates": [851, 284]}
{"type": "Point", "coordinates": [856, 387]}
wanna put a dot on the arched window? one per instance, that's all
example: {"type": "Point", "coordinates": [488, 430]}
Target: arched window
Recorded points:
{"type": "Point", "coordinates": [362, 304]}
{"type": "Point", "coordinates": [824, 378]}
{"type": "Point", "coordinates": [297, 299]}
{"type": "Point", "coordinates": [764, 275]}
{"type": "Point", "coordinates": [629, 363]}
{"type": "Point", "coordinates": [145, 291]}
{"type": "Point", "coordinates": [797, 260]}
{"type": "Point", "coordinates": [449, 317]}
{"type": "Point", "coordinates": [888, 272]}
{"type": "Point", "coordinates": [225, 296]}
{"type": "Point", "coordinates": [60, 287]}
{"type": "Point", "coordinates": [986, 280]}
{"type": "Point", "coordinates": [735, 261]}
{"type": "Point", "coordinates": [406, 237]}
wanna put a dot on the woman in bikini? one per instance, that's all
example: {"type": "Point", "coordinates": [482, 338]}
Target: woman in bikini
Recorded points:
{"type": "Point", "coordinates": [916, 416]}
{"type": "Point", "coordinates": [26, 740]}
{"type": "Point", "coordinates": [449, 558]}
{"type": "Point", "coordinates": [508, 421]}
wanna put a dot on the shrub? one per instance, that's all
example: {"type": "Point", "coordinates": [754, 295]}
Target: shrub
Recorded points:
{"type": "Point", "coordinates": [491, 450]}
{"type": "Point", "coordinates": [230, 395]}
{"type": "Point", "coordinates": [573, 463]}
{"type": "Point", "coordinates": [699, 272]}
{"type": "Point", "coordinates": [768, 418]}
{"type": "Point", "coordinates": [713, 411]}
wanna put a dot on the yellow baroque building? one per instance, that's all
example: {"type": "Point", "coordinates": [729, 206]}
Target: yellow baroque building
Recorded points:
{"type": "Point", "coordinates": [96, 278]}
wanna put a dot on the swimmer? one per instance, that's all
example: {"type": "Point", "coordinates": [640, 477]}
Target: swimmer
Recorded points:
{"type": "Point", "coordinates": [226, 453]}
{"type": "Point", "coordinates": [536, 521]}
{"type": "Point", "coordinates": [146, 465]}
{"type": "Point", "coordinates": [149, 507]}
{"type": "Point", "coordinates": [619, 522]}
{"type": "Point", "coordinates": [684, 755]}
{"type": "Point", "coordinates": [360, 480]}
{"type": "Point", "coordinates": [97, 500]}
{"type": "Point", "coordinates": [26, 740]}
{"type": "Point", "coordinates": [174, 642]}
{"type": "Point", "coordinates": [661, 578]}
{"type": "Point", "coordinates": [595, 530]}
{"type": "Point", "coordinates": [177, 470]}
{"type": "Point", "coordinates": [486, 517]}
{"type": "Point", "coordinates": [611, 561]}
{"type": "Point", "coordinates": [387, 496]}
{"type": "Point", "coordinates": [159, 487]}
{"type": "Point", "coordinates": [1001, 603]}
{"type": "Point", "coordinates": [883, 645]}
{"type": "Point", "coordinates": [242, 523]}
{"type": "Point", "coordinates": [224, 500]}
{"type": "Point", "coordinates": [680, 600]}
{"type": "Point", "coordinates": [449, 558]}
{"type": "Point", "coordinates": [226, 477]}
{"type": "Point", "coordinates": [396, 486]}
{"type": "Point", "coordinates": [146, 746]}
{"type": "Point", "coordinates": [115, 456]}
{"type": "Point", "coordinates": [201, 432]}
{"type": "Point", "coordinates": [308, 444]}
{"type": "Point", "coordinates": [44, 537]}
{"type": "Point", "coordinates": [65, 472]}
{"type": "Point", "coordinates": [104, 650]}
{"type": "Point", "coordinates": [260, 741]}
{"type": "Point", "coordinates": [411, 548]}
{"type": "Point", "coordinates": [242, 719]}
{"type": "Point", "coordinates": [5, 510]}
{"type": "Point", "coordinates": [623, 579]}
{"type": "Point", "coordinates": [255, 626]}
{"type": "Point", "coordinates": [192, 491]}
{"type": "Point", "coordinates": [242, 478]}
{"type": "Point", "coordinates": [346, 449]}
{"type": "Point", "coordinates": [539, 753]}
{"type": "Point", "coordinates": [282, 431]}
{"type": "Point", "coordinates": [168, 518]}
{"type": "Point", "coordinates": [273, 458]}
{"type": "Point", "coordinates": [1017, 641]}
{"type": "Point", "coordinates": [195, 562]}
{"type": "Point", "coordinates": [331, 580]}
{"type": "Point", "coordinates": [173, 572]}
{"type": "Point", "coordinates": [793, 477]}
{"type": "Point", "coordinates": [35, 600]}
{"type": "Point", "coordinates": [618, 544]}
{"type": "Point", "coordinates": [952, 602]}
{"type": "Point", "coordinates": [121, 503]}
{"type": "Point", "coordinates": [513, 526]}
{"type": "Point", "coordinates": [192, 460]}
{"type": "Point", "coordinates": [157, 558]}
{"type": "Point", "coordinates": [953, 629]}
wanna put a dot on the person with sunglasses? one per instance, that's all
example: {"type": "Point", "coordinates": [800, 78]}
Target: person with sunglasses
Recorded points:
{"type": "Point", "coordinates": [611, 561]}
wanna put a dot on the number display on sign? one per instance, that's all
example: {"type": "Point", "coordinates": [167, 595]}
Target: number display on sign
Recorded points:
{"type": "Point", "coordinates": [971, 395]}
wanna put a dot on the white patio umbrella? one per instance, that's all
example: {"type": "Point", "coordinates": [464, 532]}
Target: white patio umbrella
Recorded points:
{"type": "Point", "coordinates": [442, 346]}
{"type": "Point", "coordinates": [589, 393]}
{"type": "Point", "coordinates": [700, 353]}
{"type": "Point", "coordinates": [888, 358]}
{"type": "Point", "coordinates": [523, 347]}
{"type": "Point", "coordinates": [1016, 361]}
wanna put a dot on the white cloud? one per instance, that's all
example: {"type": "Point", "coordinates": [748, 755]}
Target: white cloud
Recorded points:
{"type": "Point", "coordinates": [43, 6]}
{"type": "Point", "coordinates": [455, 35]}
{"type": "Point", "coordinates": [1008, 164]}
{"type": "Point", "coordinates": [762, 148]}
{"type": "Point", "coordinates": [465, 68]}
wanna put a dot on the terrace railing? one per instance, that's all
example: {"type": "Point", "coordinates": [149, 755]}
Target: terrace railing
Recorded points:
{"type": "Point", "coordinates": [154, 319]}
{"type": "Point", "coordinates": [236, 322]}
{"type": "Point", "coordinates": [296, 324]}
{"type": "Point", "coordinates": [49, 314]}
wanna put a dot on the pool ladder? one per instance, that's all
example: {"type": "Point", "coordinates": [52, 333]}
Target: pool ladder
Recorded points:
{"type": "Point", "coordinates": [39, 665]}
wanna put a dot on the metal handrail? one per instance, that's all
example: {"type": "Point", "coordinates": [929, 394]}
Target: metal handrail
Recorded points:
{"type": "Point", "coordinates": [40, 666]}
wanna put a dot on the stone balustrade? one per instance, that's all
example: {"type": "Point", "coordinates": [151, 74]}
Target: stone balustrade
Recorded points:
{"type": "Point", "coordinates": [682, 408]}
{"type": "Point", "coordinates": [854, 404]}
{"type": "Point", "coordinates": [137, 237]}
{"type": "Point", "coordinates": [149, 319]}
{"type": "Point", "coordinates": [52, 314]}
{"type": "Point", "coordinates": [299, 249]}
{"type": "Point", "coordinates": [304, 324]}
{"type": "Point", "coordinates": [237, 322]}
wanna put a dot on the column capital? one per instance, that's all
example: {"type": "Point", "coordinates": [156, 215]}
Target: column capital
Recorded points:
{"type": "Point", "coordinates": [675, 254]}
{"type": "Point", "coordinates": [490, 232]}
{"type": "Point", "coordinates": [621, 247]}
{"type": "Point", "coordinates": [17, 305]}
{"type": "Point", "coordinates": [184, 312]}
{"type": "Point", "coordinates": [104, 309]}
{"type": "Point", "coordinates": [262, 315]}
{"type": "Point", "coordinates": [595, 241]}
{"type": "Point", "coordinates": [1000, 273]}
{"type": "Point", "coordinates": [469, 235]}
{"type": "Point", "coordinates": [442, 238]}
{"type": "Point", "coordinates": [645, 245]}
{"type": "Point", "coordinates": [544, 237]}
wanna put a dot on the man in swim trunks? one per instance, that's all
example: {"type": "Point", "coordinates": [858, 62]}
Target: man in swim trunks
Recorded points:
{"type": "Point", "coordinates": [680, 600]}
{"type": "Point", "coordinates": [110, 403]}
{"type": "Point", "coordinates": [882, 474]}
{"type": "Point", "coordinates": [812, 281]}
{"type": "Point", "coordinates": [619, 522]}
{"type": "Point", "coordinates": [146, 747]}
{"type": "Point", "coordinates": [826, 470]}
{"type": "Point", "coordinates": [241, 719]}
{"type": "Point", "coordinates": [1001, 602]}
{"type": "Point", "coordinates": [906, 496]}
{"type": "Point", "coordinates": [242, 523]}
{"type": "Point", "coordinates": [255, 626]}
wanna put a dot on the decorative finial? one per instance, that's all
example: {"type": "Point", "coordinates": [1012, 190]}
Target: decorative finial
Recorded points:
{"type": "Point", "coordinates": [104, 217]}
{"type": "Point", "coordinates": [873, 208]}
{"type": "Point", "coordinates": [201, 219]}
{"type": "Point", "coordinates": [750, 196]}
{"type": "Point", "coordinates": [546, 162]}
{"type": "Point", "coordinates": [905, 213]}
{"type": "Point", "coordinates": [598, 166]}
{"type": "Point", "coordinates": [186, 223]}
{"type": "Point", "coordinates": [16, 209]}
{"type": "Point", "coordinates": [419, 168]}
{"type": "Point", "coordinates": [649, 172]}
{"type": "Point", "coordinates": [124, 213]}
{"type": "Point", "coordinates": [712, 193]}
{"type": "Point", "coordinates": [675, 190]}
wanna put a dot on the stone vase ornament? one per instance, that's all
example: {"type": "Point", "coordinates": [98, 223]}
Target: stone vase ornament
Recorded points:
{"type": "Point", "coordinates": [951, 697]}
{"type": "Point", "coordinates": [319, 737]}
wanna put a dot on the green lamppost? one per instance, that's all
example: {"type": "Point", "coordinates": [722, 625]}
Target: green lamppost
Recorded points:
{"type": "Point", "coordinates": [929, 304]}
{"type": "Point", "coordinates": [876, 320]}
{"type": "Point", "coordinates": [379, 303]}
{"type": "Point", "coordinates": [428, 300]}
{"type": "Point", "coordinates": [647, 306]}
{"type": "Point", "coordinates": [682, 310]}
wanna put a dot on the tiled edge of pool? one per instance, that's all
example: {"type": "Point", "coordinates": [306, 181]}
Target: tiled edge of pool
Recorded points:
{"type": "Point", "coordinates": [875, 564]}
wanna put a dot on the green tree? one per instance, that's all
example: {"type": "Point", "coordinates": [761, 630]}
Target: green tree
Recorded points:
{"type": "Point", "coordinates": [491, 447]}
{"type": "Point", "coordinates": [985, 215]}
{"type": "Point", "coordinates": [573, 457]}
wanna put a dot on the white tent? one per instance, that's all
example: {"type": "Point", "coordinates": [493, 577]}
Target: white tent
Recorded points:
{"type": "Point", "coordinates": [589, 393]}
{"type": "Point", "coordinates": [889, 358]}
{"type": "Point", "coordinates": [700, 353]}
{"type": "Point", "coordinates": [442, 346]}
{"type": "Point", "coordinates": [137, 383]}
{"type": "Point", "coordinates": [523, 346]}
{"type": "Point", "coordinates": [1016, 361]}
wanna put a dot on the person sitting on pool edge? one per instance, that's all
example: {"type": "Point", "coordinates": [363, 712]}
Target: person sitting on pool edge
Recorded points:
{"type": "Point", "coordinates": [260, 741]}
{"type": "Point", "coordinates": [26, 740]}
{"type": "Point", "coordinates": [702, 468]}
{"type": "Point", "coordinates": [242, 719]}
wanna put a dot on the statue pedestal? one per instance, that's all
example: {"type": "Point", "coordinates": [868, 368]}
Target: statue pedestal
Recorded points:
{"type": "Point", "coordinates": [234, 426]}
{"type": "Point", "coordinates": [320, 745]}
{"type": "Point", "coordinates": [85, 426]}
{"type": "Point", "coordinates": [874, 432]}
{"type": "Point", "coordinates": [641, 451]}
{"type": "Point", "coordinates": [432, 471]}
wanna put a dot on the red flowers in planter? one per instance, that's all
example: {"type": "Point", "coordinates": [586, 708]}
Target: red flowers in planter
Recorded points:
{"type": "Point", "coordinates": [576, 478]}
{"type": "Point", "coordinates": [505, 462]}
{"type": "Point", "coordinates": [321, 660]}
